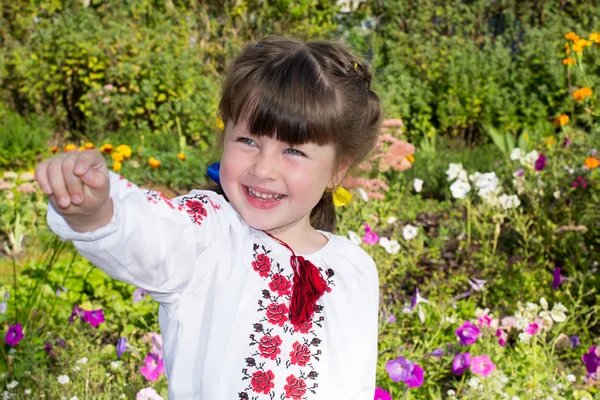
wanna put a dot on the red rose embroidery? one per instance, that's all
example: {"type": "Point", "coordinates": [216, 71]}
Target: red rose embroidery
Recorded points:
{"type": "Point", "coordinates": [196, 210]}
{"type": "Point", "coordinates": [304, 327]}
{"type": "Point", "coordinates": [269, 346]}
{"type": "Point", "coordinates": [262, 265]}
{"type": "Point", "coordinates": [280, 284]}
{"type": "Point", "coordinates": [300, 354]}
{"type": "Point", "coordinates": [277, 313]}
{"type": "Point", "coordinates": [295, 389]}
{"type": "Point", "coordinates": [262, 381]}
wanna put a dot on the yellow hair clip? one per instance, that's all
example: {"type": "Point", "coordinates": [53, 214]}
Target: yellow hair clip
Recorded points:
{"type": "Point", "coordinates": [356, 66]}
{"type": "Point", "coordinates": [341, 197]}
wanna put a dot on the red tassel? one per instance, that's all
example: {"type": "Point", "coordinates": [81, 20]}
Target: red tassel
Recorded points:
{"type": "Point", "coordinates": [308, 287]}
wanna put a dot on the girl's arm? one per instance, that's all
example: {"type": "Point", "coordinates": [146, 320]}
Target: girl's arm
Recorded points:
{"type": "Point", "coordinates": [151, 241]}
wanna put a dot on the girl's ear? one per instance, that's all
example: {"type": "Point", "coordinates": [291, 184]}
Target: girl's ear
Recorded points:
{"type": "Point", "coordinates": [339, 175]}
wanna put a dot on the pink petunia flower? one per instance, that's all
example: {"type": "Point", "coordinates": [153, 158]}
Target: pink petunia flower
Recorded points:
{"type": "Point", "coordinates": [148, 394]}
{"type": "Point", "coordinates": [370, 236]}
{"type": "Point", "coordinates": [532, 329]}
{"type": "Point", "coordinates": [482, 365]}
{"type": "Point", "coordinates": [94, 317]}
{"type": "Point", "coordinates": [14, 335]}
{"type": "Point", "coordinates": [153, 367]}
{"type": "Point", "coordinates": [381, 394]}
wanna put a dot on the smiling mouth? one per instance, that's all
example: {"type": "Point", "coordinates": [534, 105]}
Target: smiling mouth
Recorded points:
{"type": "Point", "coordinates": [264, 196]}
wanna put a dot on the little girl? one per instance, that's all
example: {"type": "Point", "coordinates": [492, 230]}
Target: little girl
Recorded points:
{"type": "Point", "coordinates": [258, 298]}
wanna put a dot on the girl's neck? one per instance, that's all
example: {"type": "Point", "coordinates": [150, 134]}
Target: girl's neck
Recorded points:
{"type": "Point", "coordinates": [301, 237]}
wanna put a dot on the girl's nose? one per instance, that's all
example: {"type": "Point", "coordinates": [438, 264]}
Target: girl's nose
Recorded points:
{"type": "Point", "coordinates": [265, 167]}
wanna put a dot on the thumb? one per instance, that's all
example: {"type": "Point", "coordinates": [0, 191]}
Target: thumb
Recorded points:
{"type": "Point", "coordinates": [91, 169]}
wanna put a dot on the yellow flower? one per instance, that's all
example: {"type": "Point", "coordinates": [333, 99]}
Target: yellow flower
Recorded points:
{"type": "Point", "coordinates": [592, 162]}
{"type": "Point", "coordinates": [118, 157]}
{"type": "Point", "coordinates": [107, 148]}
{"type": "Point", "coordinates": [70, 147]}
{"type": "Point", "coordinates": [125, 150]}
{"type": "Point", "coordinates": [595, 37]}
{"type": "Point", "coordinates": [53, 149]}
{"type": "Point", "coordinates": [580, 44]}
{"type": "Point", "coordinates": [410, 158]}
{"type": "Point", "coordinates": [117, 166]}
{"type": "Point", "coordinates": [550, 141]}
{"type": "Point", "coordinates": [153, 162]}
{"type": "Point", "coordinates": [569, 61]}
{"type": "Point", "coordinates": [581, 94]}
{"type": "Point", "coordinates": [341, 197]}
{"type": "Point", "coordinates": [89, 145]}
{"type": "Point", "coordinates": [572, 36]}
{"type": "Point", "coordinates": [220, 124]}
{"type": "Point", "coordinates": [181, 156]}
{"type": "Point", "coordinates": [81, 148]}
{"type": "Point", "coordinates": [561, 120]}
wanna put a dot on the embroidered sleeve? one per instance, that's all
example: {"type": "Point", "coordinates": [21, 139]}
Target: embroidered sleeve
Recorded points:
{"type": "Point", "coordinates": [151, 241]}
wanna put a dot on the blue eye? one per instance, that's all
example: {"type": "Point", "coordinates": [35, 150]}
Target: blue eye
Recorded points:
{"type": "Point", "coordinates": [246, 141]}
{"type": "Point", "coordinates": [295, 152]}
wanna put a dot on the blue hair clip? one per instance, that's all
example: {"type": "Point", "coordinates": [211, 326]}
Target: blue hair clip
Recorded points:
{"type": "Point", "coordinates": [213, 172]}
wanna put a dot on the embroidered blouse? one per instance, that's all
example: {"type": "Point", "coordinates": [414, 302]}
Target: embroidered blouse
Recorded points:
{"type": "Point", "coordinates": [224, 290]}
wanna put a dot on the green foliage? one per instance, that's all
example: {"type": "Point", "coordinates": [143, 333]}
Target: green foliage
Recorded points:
{"type": "Point", "coordinates": [21, 141]}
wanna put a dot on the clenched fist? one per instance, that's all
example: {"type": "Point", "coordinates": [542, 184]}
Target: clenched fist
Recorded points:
{"type": "Point", "coordinates": [78, 186]}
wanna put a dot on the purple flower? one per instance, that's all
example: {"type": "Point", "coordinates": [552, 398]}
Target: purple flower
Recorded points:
{"type": "Point", "coordinates": [532, 329]}
{"type": "Point", "coordinates": [417, 299]}
{"type": "Point", "coordinates": [467, 333]}
{"type": "Point", "coordinates": [48, 348]}
{"type": "Point", "coordinates": [575, 341]}
{"type": "Point", "coordinates": [501, 335]}
{"type": "Point", "coordinates": [391, 319]}
{"type": "Point", "coordinates": [461, 363]}
{"type": "Point", "coordinates": [121, 346]}
{"type": "Point", "coordinates": [381, 394]}
{"type": "Point", "coordinates": [540, 163]}
{"type": "Point", "coordinates": [77, 312]}
{"type": "Point", "coordinates": [138, 295]}
{"type": "Point", "coordinates": [153, 367]}
{"type": "Point", "coordinates": [435, 353]}
{"type": "Point", "coordinates": [402, 370]}
{"type": "Point", "coordinates": [566, 142]}
{"type": "Point", "coordinates": [482, 365]}
{"type": "Point", "coordinates": [61, 289]}
{"type": "Point", "coordinates": [14, 335]}
{"type": "Point", "coordinates": [370, 236]}
{"type": "Point", "coordinates": [519, 173]}
{"type": "Point", "coordinates": [591, 360]}
{"type": "Point", "coordinates": [557, 278]}
{"type": "Point", "coordinates": [94, 317]}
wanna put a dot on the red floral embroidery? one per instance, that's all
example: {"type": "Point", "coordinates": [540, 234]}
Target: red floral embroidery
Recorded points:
{"type": "Point", "coordinates": [196, 210]}
{"type": "Point", "coordinates": [274, 330]}
{"type": "Point", "coordinates": [280, 284]}
{"type": "Point", "coordinates": [295, 389]}
{"type": "Point", "coordinates": [262, 264]}
{"type": "Point", "coordinates": [262, 381]}
{"type": "Point", "coordinates": [300, 355]}
{"type": "Point", "coordinates": [277, 314]}
{"type": "Point", "coordinates": [269, 346]}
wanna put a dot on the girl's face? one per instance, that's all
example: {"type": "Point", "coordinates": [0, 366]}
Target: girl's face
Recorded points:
{"type": "Point", "coordinates": [273, 185]}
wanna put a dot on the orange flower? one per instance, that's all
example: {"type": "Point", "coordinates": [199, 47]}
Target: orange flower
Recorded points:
{"type": "Point", "coordinates": [581, 94]}
{"type": "Point", "coordinates": [569, 61]}
{"type": "Point", "coordinates": [580, 44]}
{"type": "Point", "coordinates": [561, 120]}
{"type": "Point", "coordinates": [550, 141]}
{"type": "Point", "coordinates": [592, 162]}
{"type": "Point", "coordinates": [117, 166]}
{"type": "Point", "coordinates": [153, 162]}
{"type": "Point", "coordinates": [118, 157]}
{"type": "Point", "coordinates": [107, 148]}
{"type": "Point", "coordinates": [567, 49]}
{"type": "Point", "coordinates": [124, 150]}
{"type": "Point", "coordinates": [410, 158]}
{"type": "Point", "coordinates": [89, 145]}
{"type": "Point", "coordinates": [572, 36]}
{"type": "Point", "coordinates": [70, 147]}
{"type": "Point", "coordinates": [595, 37]}
{"type": "Point", "coordinates": [181, 156]}
{"type": "Point", "coordinates": [53, 149]}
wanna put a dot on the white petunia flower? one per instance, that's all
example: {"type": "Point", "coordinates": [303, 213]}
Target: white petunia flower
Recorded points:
{"type": "Point", "coordinates": [391, 220]}
{"type": "Point", "coordinates": [115, 364]}
{"type": "Point", "coordinates": [558, 312]}
{"type": "Point", "coordinates": [363, 195]}
{"type": "Point", "coordinates": [354, 238]}
{"type": "Point", "coordinates": [571, 378]}
{"type": "Point", "coordinates": [418, 185]}
{"type": "Point", "coordinates": [530, 158]}
{"type": "Point", "coordinates": [486, 183]}
{"type": "Point", "coordinates": [12, 385]}
{"type": "Point", "coordinates": [82, 361]}
{"type": "Point", "coordinates": [460, 189]}
{"type": "Point", "coordinates": [391, 246]}
{"type": "Point", "coordinates": [74, 398]}
{"type": "Point", "coordinates": [63, 379]}
{"type": "Point", "coordinates": [453, 171]}
{"type": "Point", "coordinates": [421, 314]}
{"type": "Point", "coordinates": [409, 232]}
{"type": "Point", "coordinates": [525, 337]}
{"type": "Point", "coordinates": [509, 201]}
{"type": "Point", "coordinates": [27, 392]}
{"type": "Point", "coordinates": [516, 154]}
{"type": "Point", "coordinates": [556, 194]}
{"type": "Point", "coordinates": [478, 285]}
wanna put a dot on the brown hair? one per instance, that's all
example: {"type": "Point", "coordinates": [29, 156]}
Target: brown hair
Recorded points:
{"type": "Point", "coordinates": [300, 92]}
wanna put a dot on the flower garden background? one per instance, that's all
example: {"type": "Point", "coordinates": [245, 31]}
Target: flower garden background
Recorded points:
{"type": "Point", "coordinates": [480, 205]}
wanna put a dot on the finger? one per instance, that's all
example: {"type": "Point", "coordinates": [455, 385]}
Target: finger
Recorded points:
{"type": "Point", "coordinates": [72, 182]}
{"type": "Point", "coordinates": [41, 177]}
{"type": "Point", "coordinates": [90, 167]}
{"type": "Point", "coordinates": [57, 183]}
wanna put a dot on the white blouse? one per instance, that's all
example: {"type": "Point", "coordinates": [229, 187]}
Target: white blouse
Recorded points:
{"type": "Point", "coordinates": [224, 289]}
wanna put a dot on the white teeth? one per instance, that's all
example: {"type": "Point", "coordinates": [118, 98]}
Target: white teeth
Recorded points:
{"type": "Point", "coordinates": [264, 196]}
